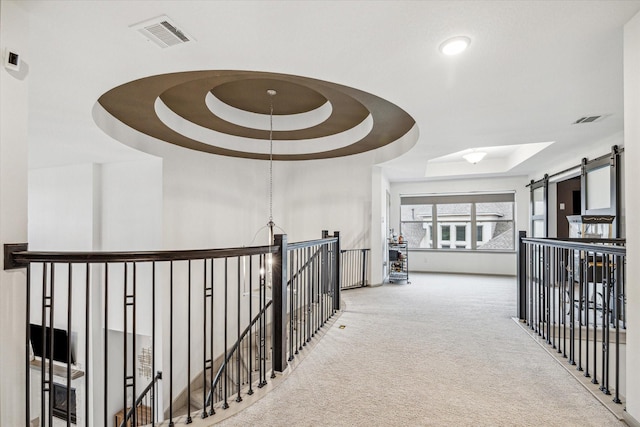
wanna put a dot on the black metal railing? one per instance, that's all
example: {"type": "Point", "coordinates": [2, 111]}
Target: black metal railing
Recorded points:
{"type": "Point", "coordinates": [215, 322]}
{"type": "Point", "coordinates": [355, 268]}
{"type": "Point", "coordinates": [313, 280]}
{"type": "Point", "coordinates": [140, 414]}
{"type": "Point", "coordinates": [572, 294]}
{"type": "Point", "coordinates": [244, 364]}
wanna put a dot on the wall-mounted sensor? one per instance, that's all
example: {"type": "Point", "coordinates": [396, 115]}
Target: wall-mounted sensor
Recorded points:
{"type": "Point", "coordinates": [11, 60]}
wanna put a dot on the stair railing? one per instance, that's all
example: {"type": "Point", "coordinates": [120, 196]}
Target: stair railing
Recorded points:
{"type": "Point", "coordinates": [99, 315]}
{"type": "Point", "coordinates": [138, 414]}
{"type": "Point", "coordinates": [235, 351]}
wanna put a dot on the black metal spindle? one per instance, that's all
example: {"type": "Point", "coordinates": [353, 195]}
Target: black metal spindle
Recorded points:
{"type": "Point", "coordinates": [309, 297]}
{"type": "Point", "coordinates": [548, 291]}
{"type": "Point", "coordinates": [318, 291]}
{"type": "Point", "coordinates": [68, 349]}
{"type": "Point", "coordinates": [538, 296]}
{"type": "Point", "coordinates": [586, 311]}
{"type": "Point", "coordinates": [225, 405]}
{"type": "Point", "coordinates": [205, 366]}
{"type": "Point", "coordinates": [51, 340]}
{"type": "Point", "coordinates": [564, 282]}
{"type": "Point", "coordinates": [153, 342]}
{"type": "Point", "coordinates": [572, 309]}
{"type": "Point", "coordinates": [303, 298]}
{"type": "Point", "coordinates": [127, 379]}
{"type": "Point", "coordinates": [597, 268]}
{"type": "Point", "coordinates": [292, 287]}
{"type": "Point", "coordinates": [606, 285]}
{"type": "Point", "coordinates": [547, 294]}
{"type": "Point", "coordinates": [620, 272]}
{"type": "Point", "coordinates": [239, 349]}
{"type": "Point", "coordinates": [27, 347]}
{"type": "Point", "coordinates": [552, 297]}
{"type": "Point", "coordinates": [134, 334]}
{"type": "Point", "coordinates": [251, 336]}
{"type": "Point", "coordinates": [124, 339]}
{"type": "Point", "coordinates": [106, 344]}
{"type": "Point", "coordinates": [212, 335]}
{"type": "Point", "coordinates": [298, 325]}
{"type": "Point", "coordinates": [171, 423]}
{"type": "Point", "coordinates": [302, 306]}
{"type": "Point", "coordinates": [581, 305]}
{"type": "Point", "coordinates": [322, 293]}
{"type": "Point", "coordinates": [336, 274]}
{"type": "Point", "coordinates": [531, 278]}
{"type": "Point", "coordinates": [188, 420]}
{"type": "Point", "coordinates": [617, 286]}
{"type": "Point", "coordinates": [87, 365]}
{"type": "Point", "coordinates": [262, 324]}
{"type": "Point", "coordinates": [43, 379]}
{"type": "Point", "coordinates": [537, 285]}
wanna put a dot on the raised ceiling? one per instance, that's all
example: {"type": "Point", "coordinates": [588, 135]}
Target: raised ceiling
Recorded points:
{"type": "Point", "coordinates": [533, 68]}
{"type": "Point", "coordinates": [173, 108]}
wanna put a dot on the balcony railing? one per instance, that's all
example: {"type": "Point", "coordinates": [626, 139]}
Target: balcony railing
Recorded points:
{"type": "Point", "coordinates": [355, 268]}
{"type": "Point", "coordinates": [572, 294]}
{"type": "Point", "coordinates": [136, 338]}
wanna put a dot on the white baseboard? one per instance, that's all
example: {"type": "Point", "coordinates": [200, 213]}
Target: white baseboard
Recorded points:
{"type": "Point", "coordinates": [630, 420]}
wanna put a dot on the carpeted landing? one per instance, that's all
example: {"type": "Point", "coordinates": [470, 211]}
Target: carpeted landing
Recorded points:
{"type": "Point", "coordinates": [441, 351]}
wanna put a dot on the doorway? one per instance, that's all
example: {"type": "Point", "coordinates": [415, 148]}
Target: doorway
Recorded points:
{"type": "Point", "coordinates": [569, 203]}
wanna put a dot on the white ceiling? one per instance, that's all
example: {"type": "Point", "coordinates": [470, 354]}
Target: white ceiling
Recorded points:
{"type": "Point", "coordinates": [533, 67]}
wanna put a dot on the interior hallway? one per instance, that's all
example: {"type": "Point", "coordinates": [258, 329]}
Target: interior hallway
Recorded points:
{"type": "Point", "coordinates": [441, 351]}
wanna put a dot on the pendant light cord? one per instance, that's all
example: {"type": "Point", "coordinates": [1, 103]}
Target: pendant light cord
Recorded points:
{"type": "Point", "coordinates": [271, 157]}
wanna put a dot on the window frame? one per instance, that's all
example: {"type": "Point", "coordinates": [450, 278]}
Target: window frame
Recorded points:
{"type": "Point", "coordinates": [470, 225]}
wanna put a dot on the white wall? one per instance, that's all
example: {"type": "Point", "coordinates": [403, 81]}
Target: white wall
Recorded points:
{"type": "Point", "coordinates": [378, 263]}
{"type": "Point", "coordinates": [89, 207]}
{"type": "Point", "coordinates": [552, 203]}
{"type": "Point", "coordinates": [131, 214]}
{"type": "Point", "coordinates": [14, 28]}
{"type": "Point", "coordinates": [464, 261]}
{"type": "Point", "coordinates": [632, 153]}
{"type": "Point", "coordinates": [213, 201]}
{"type": "Point", "coordinates": [62, 206]}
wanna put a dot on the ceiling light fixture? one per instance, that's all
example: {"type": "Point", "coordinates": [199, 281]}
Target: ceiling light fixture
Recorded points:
{"type": "Point", "coordinates": [271, 224]}
{"type": "Point", "coordinates": [455, 45]}
{"type": "Point", "coordinates": [474, 157]}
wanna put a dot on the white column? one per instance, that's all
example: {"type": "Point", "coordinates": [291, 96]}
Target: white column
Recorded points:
{"type": "Point", "coordinates": [632, 175]}
{"type": "Point", "coordinates": [379, 225]}
{"type": "Point", "coordinates": [13, 211]}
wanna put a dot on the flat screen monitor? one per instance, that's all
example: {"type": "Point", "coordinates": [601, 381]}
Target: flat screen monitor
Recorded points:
{"type": "Point", "coordinates": [60, 343]}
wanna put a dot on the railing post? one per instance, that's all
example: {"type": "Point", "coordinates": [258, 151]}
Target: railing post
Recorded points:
{"type": "Point", "coordinates": [324, 263]}
{"type": "Point", "coordinates": [279, 289]}
{"type": "Point", "coordinates": [522, 276]}
{"type": "Point", "coordinates": [336, 295]}
{"type": "Point", "coordinates": [364, 267]}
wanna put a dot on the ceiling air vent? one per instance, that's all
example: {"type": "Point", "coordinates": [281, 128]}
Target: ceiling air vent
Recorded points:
{"type": "Point", "coordinates": [162, 31]}
{"type": "Point", "coordinates": [590, 119]}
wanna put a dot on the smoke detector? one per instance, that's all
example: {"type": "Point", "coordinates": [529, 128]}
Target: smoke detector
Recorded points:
{"type": "Point", "coordinates": [162, 31]}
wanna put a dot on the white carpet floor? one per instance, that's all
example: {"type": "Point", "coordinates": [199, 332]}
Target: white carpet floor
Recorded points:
{"type": "Point", "coordinates": [441, 351]}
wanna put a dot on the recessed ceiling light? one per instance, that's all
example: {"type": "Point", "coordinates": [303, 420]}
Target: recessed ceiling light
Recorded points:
{"type": "Point", "coordinates": [455, 45]}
